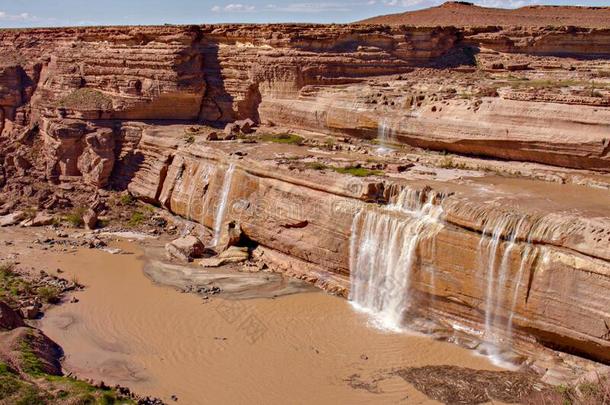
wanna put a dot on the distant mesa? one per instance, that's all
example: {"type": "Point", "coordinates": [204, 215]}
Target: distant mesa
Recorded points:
{"type": "Point", "coordinates": [466, 14]}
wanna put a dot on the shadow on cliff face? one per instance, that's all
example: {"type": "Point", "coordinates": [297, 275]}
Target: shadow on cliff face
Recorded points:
{"type": "Point", "coordinates": [217, 103]}
{"type": "Point", "coordinates": [125, 170]}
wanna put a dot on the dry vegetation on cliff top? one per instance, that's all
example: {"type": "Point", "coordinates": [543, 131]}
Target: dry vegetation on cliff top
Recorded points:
{"type": "Point", "coordinates": [86, 99]}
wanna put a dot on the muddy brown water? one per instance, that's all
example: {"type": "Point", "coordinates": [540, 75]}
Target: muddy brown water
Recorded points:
{"type": "Point", "coordinates": [299, 348]}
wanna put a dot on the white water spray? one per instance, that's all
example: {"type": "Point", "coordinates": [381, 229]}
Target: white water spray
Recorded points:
{"type": "Point", "coordinates": [222, 204]}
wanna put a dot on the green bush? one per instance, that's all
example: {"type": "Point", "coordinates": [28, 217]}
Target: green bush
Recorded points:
{"type": "Point", "coordinates": [137, 218]}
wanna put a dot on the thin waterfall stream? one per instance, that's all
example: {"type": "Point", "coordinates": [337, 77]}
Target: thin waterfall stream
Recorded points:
{"type": "Point", "coordinates": [222, 203]}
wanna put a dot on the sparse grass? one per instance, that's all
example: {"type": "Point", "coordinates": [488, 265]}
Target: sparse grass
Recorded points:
{"type": "Point", "coordinates": [291, 139]}
{"type": "Point", "coordinates": [30, 212]}
{"type": "Point", "coordinates": [582, 394]}
{"type": "Point", "coordinates": [35, 387]}
{"type": "Point", "coordinates": [140, 217]}
{"type": "Point", "coordinates": [30, 363]}
{"type": "Point", "coordinates": [189, 138]}
{"type": "Point", "coordinates": [354, 170]}
{"type": "Point", "coordinates": [137, 218]}
{"type": "Point", "coordinates": [357, 171]}
{"type": "Point", "coordinates": [49, 294]}
{"type": "Point", "coordinates": [11, 286]}
{"type": "Point", "coordinates": [75, 217]}
{"type": "Point", "coordinates": [127, 199]}
{"type": "Point", "coordinates": [602, 74]}
{"type": "Point", "coordinates": [86, 99]}
{"type": "Point", "coordinates": [316, 166]}
{"type": "Point", "coordinates": [448, 163]}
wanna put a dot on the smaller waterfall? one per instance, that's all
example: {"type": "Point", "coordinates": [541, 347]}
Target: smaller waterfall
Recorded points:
{"type": "Point", "coordinates": [498, 334]}
{"type": "Point", "coordinates": [383, 251]}
{"type": "Point", "coordinates": [222, 204]}
{"type": "Point", "coordinates": [384, 136]}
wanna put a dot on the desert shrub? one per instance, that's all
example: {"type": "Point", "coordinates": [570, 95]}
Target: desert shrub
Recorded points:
{"type": "Point", "coordinates": [137, 218]}
{"type": "Point", "coordinates": [189, 138]}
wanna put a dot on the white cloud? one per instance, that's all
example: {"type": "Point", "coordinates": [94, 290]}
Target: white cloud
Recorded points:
{"type": "Point", "coordinates": [4, 16]}
{"type": "Point", "coordinates": [234, 8]}
{"type": "Point", "coordinates": [311, 7]}
{"type": "Point", "coordinates": [432, 3]}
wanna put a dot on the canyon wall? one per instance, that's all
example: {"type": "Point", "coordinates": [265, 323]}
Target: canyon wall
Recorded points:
{"type": "Point", "coordinates": [103, 106]}
{"type": "Point", "coordinates": [292, 75]}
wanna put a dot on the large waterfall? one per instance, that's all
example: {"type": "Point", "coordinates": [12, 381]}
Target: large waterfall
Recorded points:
{"type": "Point", "coordinates": [222, 203]}
{"type": "Point", "coordinates": [383, 252]}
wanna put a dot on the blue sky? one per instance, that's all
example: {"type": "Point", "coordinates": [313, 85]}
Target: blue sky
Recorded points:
{"type": "Point", "coordinates": [29, 13]}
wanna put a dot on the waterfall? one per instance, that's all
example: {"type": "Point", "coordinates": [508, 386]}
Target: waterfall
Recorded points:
{"type": "Point", "coordinates": [498, 335]}
{"type": "Point", "coordinates": [383, 251]}
{"type": "Point", "coordinates": [222, 204]}
{"type": "Point", "coordinates": [384, 136]}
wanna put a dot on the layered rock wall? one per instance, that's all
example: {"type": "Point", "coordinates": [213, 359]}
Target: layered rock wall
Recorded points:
{"type": "Point", "coordinates": [555, 293]}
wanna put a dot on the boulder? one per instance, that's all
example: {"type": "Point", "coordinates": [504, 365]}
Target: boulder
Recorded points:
{"type": "Point", "coordinates": [9, 318]}
{"type": "Point", "coordinates": [12, 218]}
{"type": "Point", "coordinates": [90, 219]}
{"type": "Point", "coordinates": [246, 126]}
{"type": "Point", "coordinates": [42, 219]}
{"type": "Point", "coordinates": [233, 254]}
{"type": "Point", "coordinates": [30, 312]}
{"type": "Point", "coordinates": [186, 248]}
{"type": "Point", "coordinates": [231, 128]}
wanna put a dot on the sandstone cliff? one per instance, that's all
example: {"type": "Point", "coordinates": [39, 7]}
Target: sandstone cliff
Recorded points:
{"type": "Point", "coordinates": [121, 108]}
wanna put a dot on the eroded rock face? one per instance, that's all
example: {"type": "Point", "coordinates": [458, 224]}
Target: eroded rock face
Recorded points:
{"type": "Point", "coordinates": [68, 81]}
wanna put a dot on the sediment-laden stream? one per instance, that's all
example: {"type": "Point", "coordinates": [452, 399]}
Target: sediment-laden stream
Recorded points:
{"type": "Point", "coordinates": [125, 329]}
